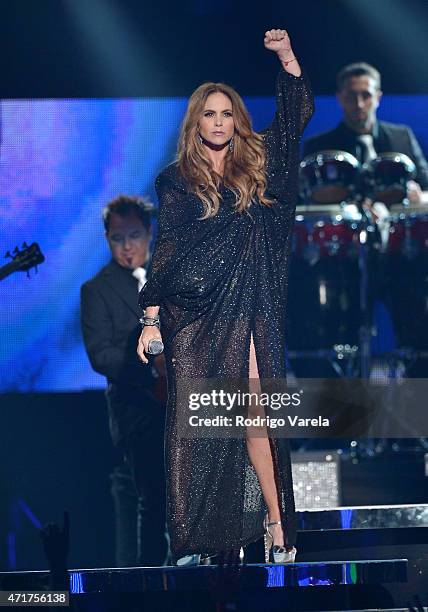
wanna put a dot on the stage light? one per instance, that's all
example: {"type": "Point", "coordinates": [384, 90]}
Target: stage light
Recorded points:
{"type": "Point", "coordinates": [398, 27]}
{"type": "Point", "coordinates": [117, 53]}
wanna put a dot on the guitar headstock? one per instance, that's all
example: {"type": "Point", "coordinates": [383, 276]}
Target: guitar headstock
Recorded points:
{"type": "Point", "coordinates": [27, 257]}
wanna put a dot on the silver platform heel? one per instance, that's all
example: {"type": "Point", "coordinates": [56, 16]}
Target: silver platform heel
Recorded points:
{"type": "Point", "coordinates": [193, 560]}
{"type": "Point", "coordinates": [280, 554]}
{"type": "Point", "coordinates": [189, 561]}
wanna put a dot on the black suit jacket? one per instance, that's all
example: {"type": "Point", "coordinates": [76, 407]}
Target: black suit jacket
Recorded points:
{"type": "Point", "coordinates": [386, 137]}
{"type": "Point", "coordinates": [109, 319]}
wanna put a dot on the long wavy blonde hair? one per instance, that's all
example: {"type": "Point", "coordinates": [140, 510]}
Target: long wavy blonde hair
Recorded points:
{"type": "Point", "coordinates": [244, 167]}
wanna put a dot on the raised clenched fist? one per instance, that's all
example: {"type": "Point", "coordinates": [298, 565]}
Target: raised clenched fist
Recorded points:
{"type": "Point", "coordinates": [278, 41]}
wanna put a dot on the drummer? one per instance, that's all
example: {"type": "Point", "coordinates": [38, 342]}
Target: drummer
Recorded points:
{"type": "Point", "coordinates": [363, 135]}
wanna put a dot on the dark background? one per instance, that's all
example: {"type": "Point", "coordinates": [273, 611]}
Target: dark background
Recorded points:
{"type": "Point", "coordinates": [109, 48]}
{"type": "Point", "coordinates": [55, 450]}
{"type": "Point", "coordinates": [55, 454]}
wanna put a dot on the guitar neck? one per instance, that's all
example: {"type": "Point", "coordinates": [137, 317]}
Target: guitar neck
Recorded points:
{"type": "Point", "coordinates": [7, 269]}
{"type": "Point", "coordinates": [23, 260]}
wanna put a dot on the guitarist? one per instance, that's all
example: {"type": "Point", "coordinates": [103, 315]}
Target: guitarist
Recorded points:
{"type": "Point", "coordinates": [136, 392]}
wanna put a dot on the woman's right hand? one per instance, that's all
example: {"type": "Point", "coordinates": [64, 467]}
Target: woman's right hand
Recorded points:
{"type": "Point", "coordinates": [149, 332]}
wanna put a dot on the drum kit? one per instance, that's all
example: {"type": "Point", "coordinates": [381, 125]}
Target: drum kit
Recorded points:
{"type": "Point", "coordinates": [357, 239]}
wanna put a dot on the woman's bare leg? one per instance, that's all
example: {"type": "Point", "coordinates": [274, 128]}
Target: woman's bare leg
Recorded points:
{"type": "Point", "coordinates": [261, 457]}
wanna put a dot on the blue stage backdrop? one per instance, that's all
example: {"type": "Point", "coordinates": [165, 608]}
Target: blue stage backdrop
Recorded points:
{"type": "Point", "coordinates": [61, 161]}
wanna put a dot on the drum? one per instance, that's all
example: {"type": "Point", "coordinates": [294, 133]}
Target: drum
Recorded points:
{"type": "Point", "coordinates": [406, 275]}
{"type": "Point", "coordinates": [329, 177]}
{"type": "Point", "coordinates": [323, 298]}
{"type": "Point", "coordinates": [326, 231]}
{"type": "Point", "coordinates": [386, 177]}
{"type": "Point", "coordinates": [408, 231]}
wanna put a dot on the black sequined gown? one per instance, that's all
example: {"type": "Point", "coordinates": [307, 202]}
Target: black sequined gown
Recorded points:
{"type": "Point", "coordinates": [217, 282]}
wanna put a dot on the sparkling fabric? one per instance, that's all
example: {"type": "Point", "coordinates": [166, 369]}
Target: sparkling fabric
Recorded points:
{"type": "Point", "coordinates": [219, 281]}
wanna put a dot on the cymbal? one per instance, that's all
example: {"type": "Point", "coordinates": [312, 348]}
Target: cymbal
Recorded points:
{"type": "Point", "coordinates": [348, 212]}
{"type": "Point", "coordinates": [333, 209]}
{"type": "Point", "coordinates": [408, 209]}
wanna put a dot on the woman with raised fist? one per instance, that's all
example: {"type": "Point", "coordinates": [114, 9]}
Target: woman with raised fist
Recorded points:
{"type": "Point", "coordinates": [216, 297]}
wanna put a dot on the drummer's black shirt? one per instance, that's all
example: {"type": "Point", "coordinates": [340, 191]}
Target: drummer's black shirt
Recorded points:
{"type": "Point", "coordinates": [387, 137]}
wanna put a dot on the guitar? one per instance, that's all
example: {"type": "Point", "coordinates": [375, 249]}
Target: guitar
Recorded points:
{"type": "Point", "coordinates": [22, 260]}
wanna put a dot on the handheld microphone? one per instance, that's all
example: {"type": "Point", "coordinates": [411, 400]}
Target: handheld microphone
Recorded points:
{"type": "Point", "coordinates": [155, 347]}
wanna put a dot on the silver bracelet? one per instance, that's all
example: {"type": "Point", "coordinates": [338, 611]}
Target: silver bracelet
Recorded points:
{"type": "Point", "coordinates": [146, 322]}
